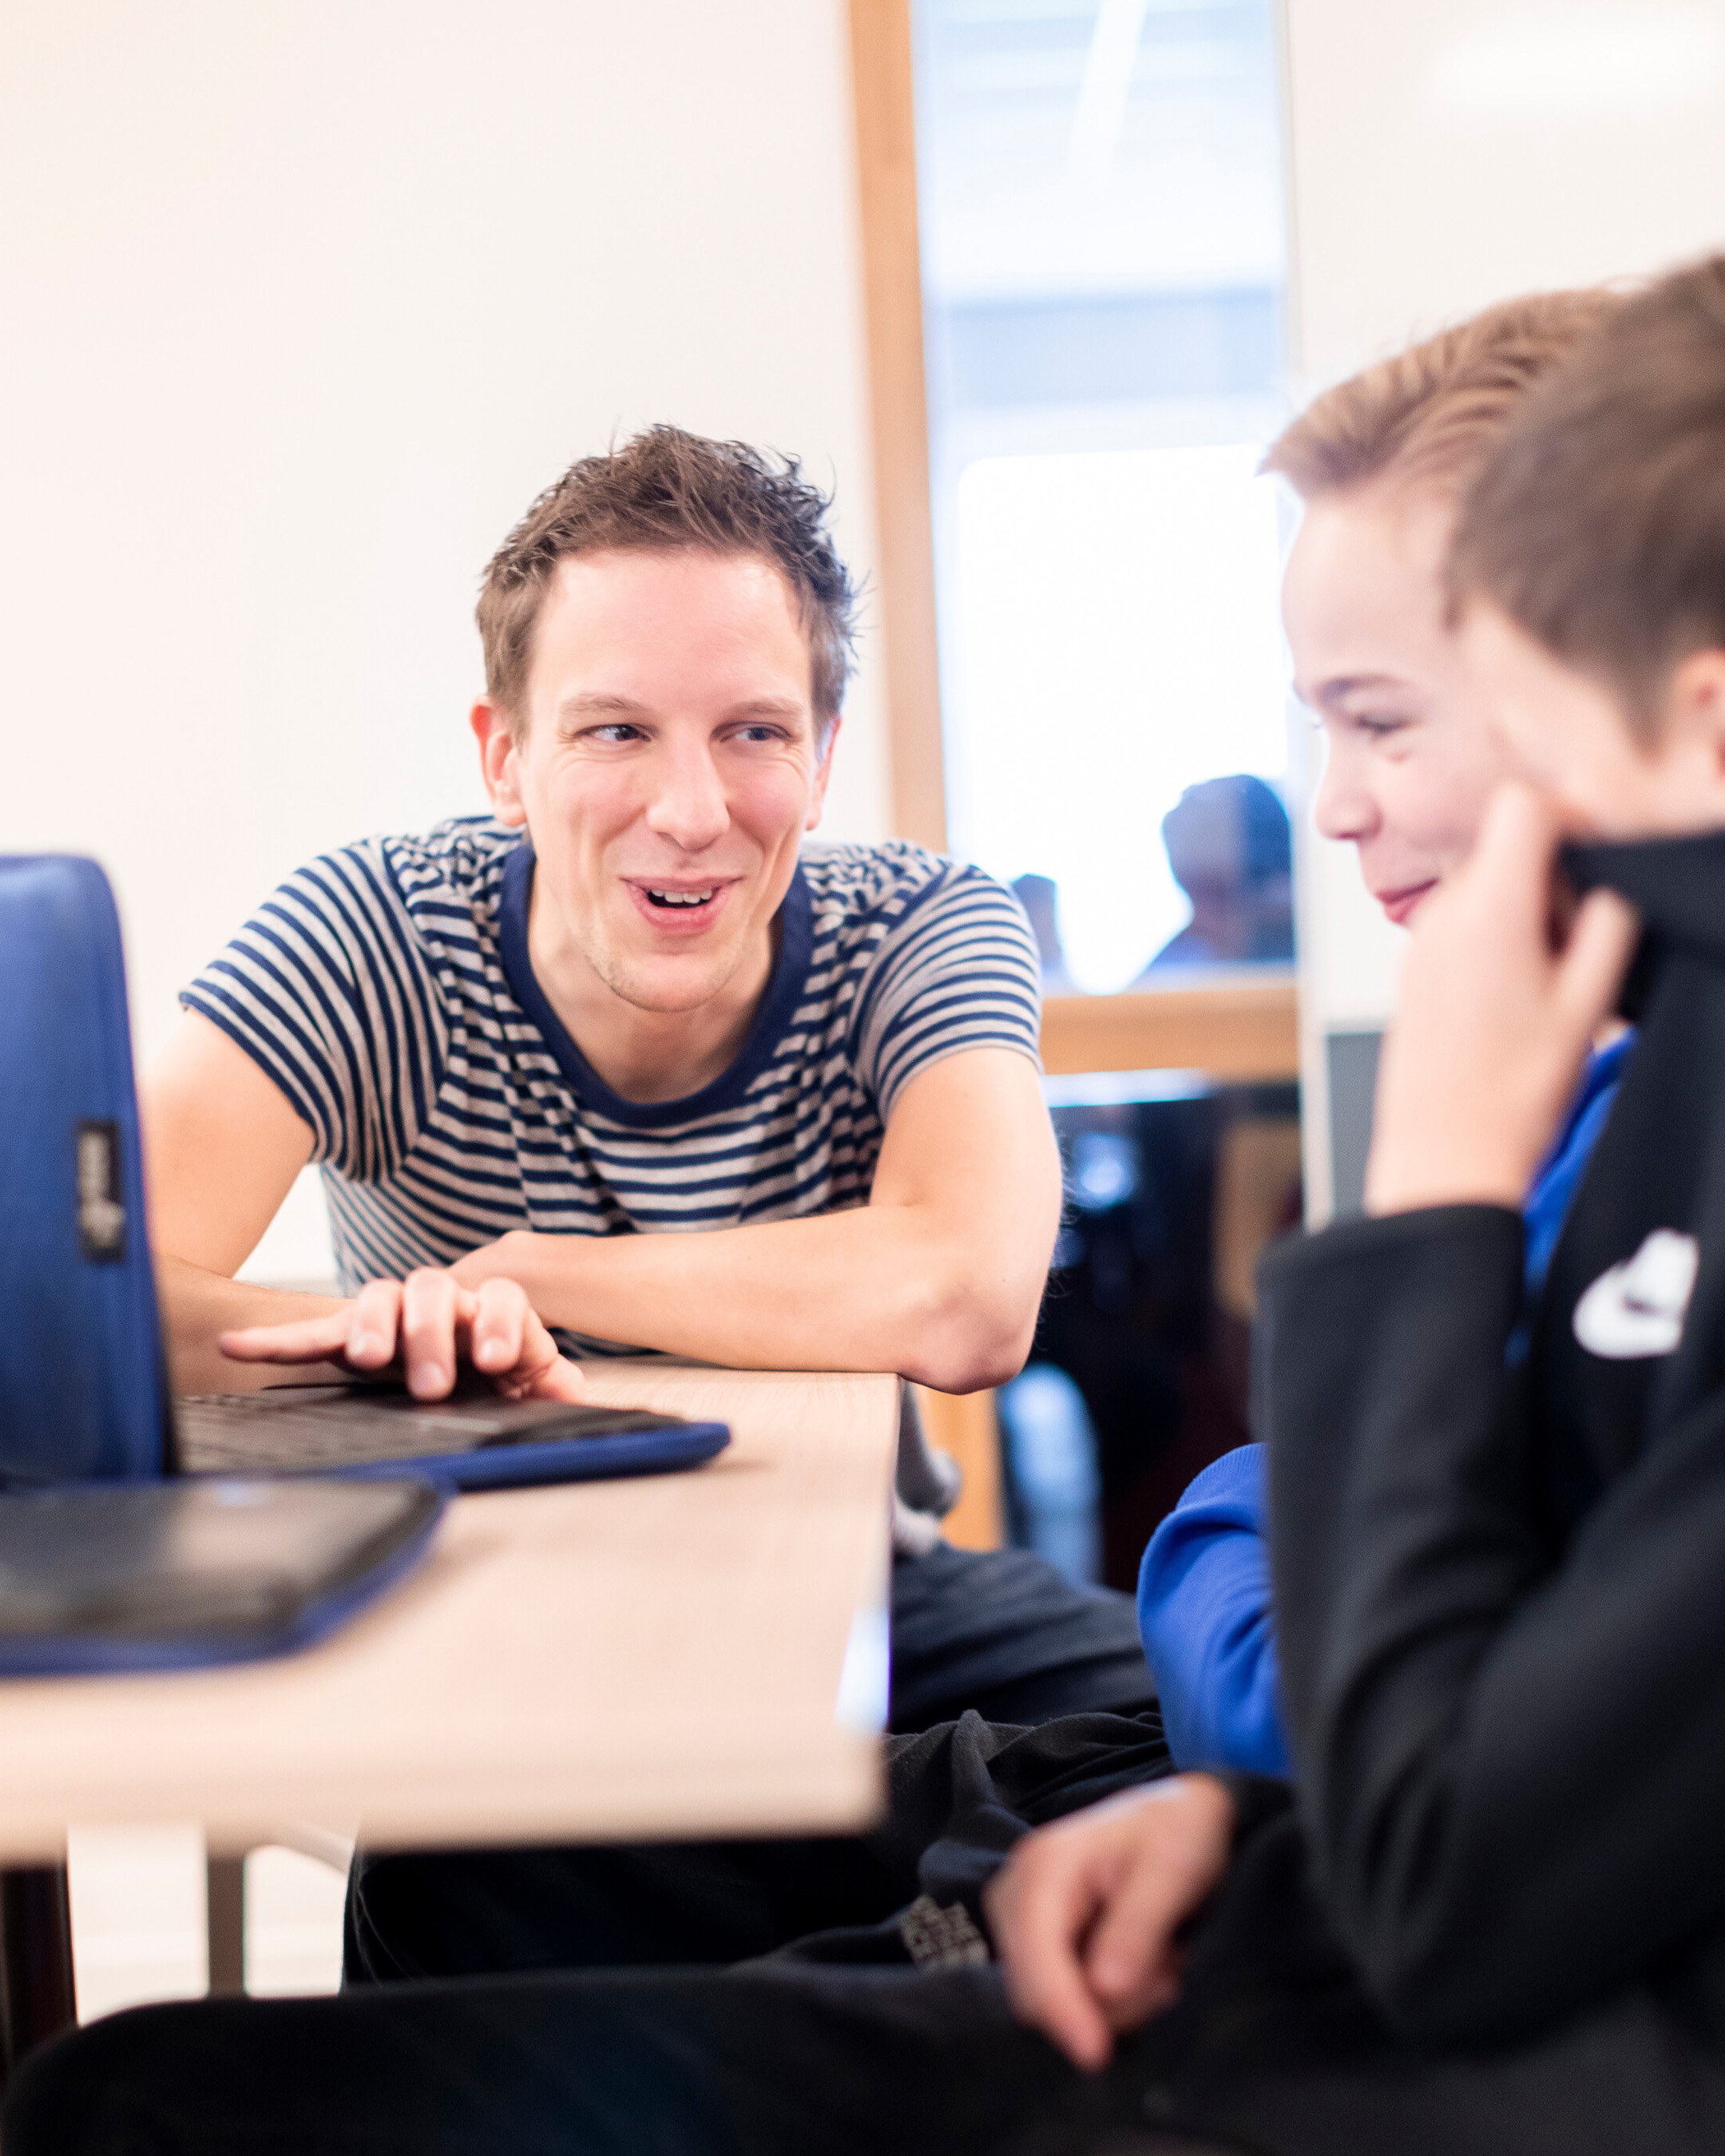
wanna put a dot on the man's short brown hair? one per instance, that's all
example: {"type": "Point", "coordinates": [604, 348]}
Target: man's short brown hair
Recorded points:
{"type": "Point", "coordinates": [1599, 526]}
{"type": "Point", "coordinates": [1429, 417]}
{"type": "Point", "coordinates": [663, 492]}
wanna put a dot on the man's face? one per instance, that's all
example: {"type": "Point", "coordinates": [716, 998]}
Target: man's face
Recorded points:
{"type": "Point", "coordinates": [1568, 734]}
{"type": "Point", "coordinates": [667, 768]}
{"type": "Point", "coordinates": [1411, 758]}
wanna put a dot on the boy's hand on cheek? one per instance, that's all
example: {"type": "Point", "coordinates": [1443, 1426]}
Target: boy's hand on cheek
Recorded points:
{"type": "Point", "coordinates": [1494, 1022]}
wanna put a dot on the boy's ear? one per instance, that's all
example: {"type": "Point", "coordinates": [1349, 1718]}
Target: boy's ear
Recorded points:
{"type": "Point", "coordinates": [499, 761]}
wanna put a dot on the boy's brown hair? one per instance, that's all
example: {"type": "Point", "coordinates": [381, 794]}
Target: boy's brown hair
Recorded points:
{"type": "Point", "coordinates": [1430, 415]}
{"type": "Point", "coordinates": [662, 492]}
{"type": "Point", "coordinates": [1599, 526]}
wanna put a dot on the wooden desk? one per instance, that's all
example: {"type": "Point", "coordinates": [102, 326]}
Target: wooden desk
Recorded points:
{"type": "Point", "coordinates": [656, 1656]}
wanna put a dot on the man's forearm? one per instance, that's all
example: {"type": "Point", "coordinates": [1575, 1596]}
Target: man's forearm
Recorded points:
{"type": "Point", "coordinates": [197, 1307]}
{"type": "Point", "coordinates": [878, 1288]}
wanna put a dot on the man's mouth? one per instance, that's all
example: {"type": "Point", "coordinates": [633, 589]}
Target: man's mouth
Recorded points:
{"type": "Point", "coordinates": [681, 909]}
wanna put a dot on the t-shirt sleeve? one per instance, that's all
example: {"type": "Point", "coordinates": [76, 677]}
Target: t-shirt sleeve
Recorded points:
{"type": "Point", "coordinates": [1204, 1612]}
{"type": "Point", "coordinates": [330, 991]}
{"type": "Point", "coordinates": [959, 970]}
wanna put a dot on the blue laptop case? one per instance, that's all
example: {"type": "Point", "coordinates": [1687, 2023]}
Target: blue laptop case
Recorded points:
{"type": "Point", "coordinates": [82, 1383]}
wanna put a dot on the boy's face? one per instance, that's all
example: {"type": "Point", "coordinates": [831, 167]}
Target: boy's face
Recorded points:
{"type": "Point", "coordinates": [668, 768]}
{"type": "Point", "coordinates": [1568, 734]}
{"type": "Point", "coordinates": [1411, 758]}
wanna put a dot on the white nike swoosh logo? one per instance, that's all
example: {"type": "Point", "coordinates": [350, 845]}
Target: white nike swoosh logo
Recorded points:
{"type": "Point", "coordinates": [1638, 1307]}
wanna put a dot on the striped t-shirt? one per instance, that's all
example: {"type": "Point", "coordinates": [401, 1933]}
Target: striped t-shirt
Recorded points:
{"type": "Point", "coordinates": [387, 990]}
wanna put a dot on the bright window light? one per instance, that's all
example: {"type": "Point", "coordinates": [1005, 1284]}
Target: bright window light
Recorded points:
{"type": "Point", "coordinates": [1119, 643]}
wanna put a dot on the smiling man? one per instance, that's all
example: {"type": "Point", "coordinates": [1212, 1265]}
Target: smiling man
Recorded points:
{"type": "Point", "coordinates": [622, 1065]}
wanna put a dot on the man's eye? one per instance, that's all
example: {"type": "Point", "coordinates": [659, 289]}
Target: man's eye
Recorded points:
{"type": "Point", "coordinates": [761, 733]}
{"type": "Point", "coordinates": [619, 731]}
{"type": "Point", "coordinates": [1378, 727]}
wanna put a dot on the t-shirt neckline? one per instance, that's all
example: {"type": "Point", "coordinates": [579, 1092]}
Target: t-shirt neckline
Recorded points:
{"type": "Point", "coordinates": [777, 1006]}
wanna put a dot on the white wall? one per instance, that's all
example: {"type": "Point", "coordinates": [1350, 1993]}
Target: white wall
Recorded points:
{"type": "Point", "coordinates": [1444, 154]}
{"type": "Point", "coordinates": [305, 300]}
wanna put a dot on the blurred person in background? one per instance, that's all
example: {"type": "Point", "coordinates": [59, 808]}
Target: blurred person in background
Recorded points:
{"type": "Point", "coordinates": [1231, 852]}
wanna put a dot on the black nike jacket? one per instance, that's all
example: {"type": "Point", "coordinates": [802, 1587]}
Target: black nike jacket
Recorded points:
{"type": "Point", "coordinates": [1501, 1593]}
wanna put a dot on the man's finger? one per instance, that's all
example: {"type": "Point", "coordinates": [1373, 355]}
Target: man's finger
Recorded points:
{"type": "Point", "coordinates": [500, 1314]}
{"type": "Point", "coordinates": [1038, 1908]}
{"type": "Point", "coordinates": [544, 1372]}
{"type": "Point", "coordinates": [558, 1379]}
{"type": "Point", "coordinates": [305, 1340]}
{"type": "Point", "coordinates": [509, 1342]}
{"type": "Point", "coordinates": [373, 1323]}
{"type": "Point", "coordinates": [429, 1300]}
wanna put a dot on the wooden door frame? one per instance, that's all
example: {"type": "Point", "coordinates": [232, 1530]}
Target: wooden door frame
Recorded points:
{"type": "Point", "coordinates": [880, 52]}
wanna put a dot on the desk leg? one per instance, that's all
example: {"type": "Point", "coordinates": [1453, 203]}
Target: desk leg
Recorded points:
{"type": "Point", "coordinates": [225, 1878]}
{"type": "Point", "coordinates": [36, 1995]}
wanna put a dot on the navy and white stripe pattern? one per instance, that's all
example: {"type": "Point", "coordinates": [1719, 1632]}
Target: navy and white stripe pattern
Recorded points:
{"type": "Point", "coordinates": [387, 990]}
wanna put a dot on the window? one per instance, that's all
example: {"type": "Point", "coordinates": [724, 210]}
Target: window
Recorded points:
{"type": "Point", "coordinates": [1100, 194]}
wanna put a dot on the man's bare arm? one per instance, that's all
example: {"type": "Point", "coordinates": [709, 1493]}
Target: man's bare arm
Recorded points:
{"type": "Point", "coordinates": [938, 1277]}
{"type": "Point", "coordinates": [221, 1147]}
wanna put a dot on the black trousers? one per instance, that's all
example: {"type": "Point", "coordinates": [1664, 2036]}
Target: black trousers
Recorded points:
{"type": "Point", "coordinates": [1272, 2048]}
{"type": "Point", "coordinates": [1002, 1633]}
{"type": "Point", "coordinates": [957, 1798]}
{"type": "Point", "coordinates": [997, 1631]}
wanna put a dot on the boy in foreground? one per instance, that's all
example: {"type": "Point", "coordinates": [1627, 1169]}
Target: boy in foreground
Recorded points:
{"type": "Point", "coordinates": [1501, 1635]}
{"type": "Point", "coordinates": [1381, 463]}
{"type": "Point", "coordinates": [1492, 1917]}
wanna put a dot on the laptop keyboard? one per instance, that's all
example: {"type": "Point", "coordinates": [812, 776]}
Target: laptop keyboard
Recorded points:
{"type": "Point", "coordinates": [222, 1431]}
{"type": "Point", "coordinates": [212, 1436]}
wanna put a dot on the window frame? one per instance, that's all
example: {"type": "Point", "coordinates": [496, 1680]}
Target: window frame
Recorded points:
{"type": "Point", "coordinates": [1243, 1026]}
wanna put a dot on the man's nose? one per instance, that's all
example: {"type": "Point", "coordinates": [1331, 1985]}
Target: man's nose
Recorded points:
{"type": "Point", "coordinates": [688, 806]}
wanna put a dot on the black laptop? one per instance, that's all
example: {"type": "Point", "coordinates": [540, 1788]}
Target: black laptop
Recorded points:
{"type": "Point", "coordinates": [474, 1440]}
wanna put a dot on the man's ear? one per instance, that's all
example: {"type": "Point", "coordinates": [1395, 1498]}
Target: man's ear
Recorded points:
{"type": "Point", "coordinates": [822, 772]}
{"type": "Point", "coordinates": [500, 763]}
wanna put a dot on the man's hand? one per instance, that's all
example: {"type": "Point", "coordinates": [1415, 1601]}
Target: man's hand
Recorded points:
{"type": "Point", "coordinates": [427, 1323]}
{"type": "Point", "coordinates": [1085, 1913]}
{"type": "Point", "coordinates": [1495, 1018]}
